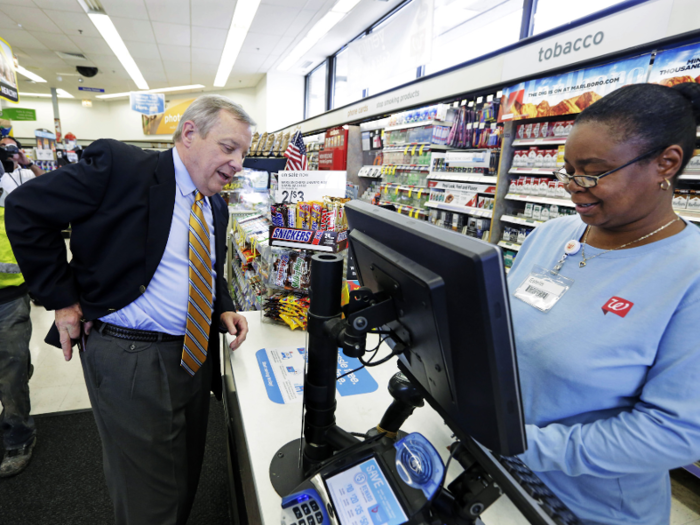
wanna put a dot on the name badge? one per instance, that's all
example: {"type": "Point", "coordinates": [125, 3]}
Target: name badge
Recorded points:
{"type": "Point", "coordinates": [543, 288]}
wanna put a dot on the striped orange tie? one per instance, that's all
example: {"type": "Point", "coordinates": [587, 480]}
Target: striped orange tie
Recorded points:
{"type": "Point", "coordinates": [199, 307]}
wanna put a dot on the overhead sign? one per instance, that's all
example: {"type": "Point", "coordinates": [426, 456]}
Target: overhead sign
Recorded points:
{"type": "Point", "coordinates": [147, 103]}
{"type": "Point", "coordinates": [676, 66]}
{"type": "Point", "coordinates": [298, 186]}
{"type": "Point", "coordinates": [19, 114]}
{"type": "Point", "coordinates": [166, 122]}
{"type": "Point", "coordinates": [92, 90]}
{"type": "Point", "coordinates": [8, 75]}
{"type": "Point", "coordinates": [571, 92]}
{"type": "Point", "coordinates": [624, 30]}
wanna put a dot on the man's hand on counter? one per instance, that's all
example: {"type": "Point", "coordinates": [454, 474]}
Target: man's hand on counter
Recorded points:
{"type": "Point", "coordinates": [237, 326]}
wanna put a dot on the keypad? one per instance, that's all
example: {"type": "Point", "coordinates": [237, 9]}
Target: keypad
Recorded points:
{"type": "Point", "coordinates": [319, 517]}
{"type": "Point", "coordinates": [314, 507]}
{"type": "Point", "coordinates": [306, 509]}
{"type": "Point", "coordinates": [297, 512]}
{"type": "Point", "coordinates": [311, 520]}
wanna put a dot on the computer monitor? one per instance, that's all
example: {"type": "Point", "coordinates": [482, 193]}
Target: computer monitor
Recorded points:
{"type": "Point", "coordinates": [450, 294]}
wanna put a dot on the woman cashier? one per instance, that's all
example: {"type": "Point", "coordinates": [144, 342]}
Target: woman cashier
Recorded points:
{"type": "Point", "coordinates": [606, 311]}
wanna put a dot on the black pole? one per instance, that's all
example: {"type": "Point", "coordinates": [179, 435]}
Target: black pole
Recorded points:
{"type": "Point", "coordinates": [319, 388]}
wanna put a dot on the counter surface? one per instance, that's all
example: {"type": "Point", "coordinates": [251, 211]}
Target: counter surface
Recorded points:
{"type": "Point", "coordinates": [268, 426]}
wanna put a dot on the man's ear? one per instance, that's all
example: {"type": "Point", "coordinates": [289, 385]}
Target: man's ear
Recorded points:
{"type": "Point", "coordinates": [188, 132]}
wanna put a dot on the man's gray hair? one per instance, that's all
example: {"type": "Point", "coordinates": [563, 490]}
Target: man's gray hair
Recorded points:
{"type": "Point", "coordinates": [204, 112]}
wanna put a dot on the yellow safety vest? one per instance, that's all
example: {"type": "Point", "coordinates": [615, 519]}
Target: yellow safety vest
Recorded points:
{"type": "Point", "coordinates": [9, 269]}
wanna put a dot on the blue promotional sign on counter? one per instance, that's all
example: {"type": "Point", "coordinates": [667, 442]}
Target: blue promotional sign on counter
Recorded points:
{"type": "Point", "coordinates": [147, 103]}
{"type": "Point", "coordinates": [282, 371]}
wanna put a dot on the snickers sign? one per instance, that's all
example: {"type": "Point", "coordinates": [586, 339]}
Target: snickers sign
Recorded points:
{"type": "Point", "coordinates": [618, 306]}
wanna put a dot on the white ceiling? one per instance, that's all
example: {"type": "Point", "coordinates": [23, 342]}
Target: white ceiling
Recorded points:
{"type": "Point", "coordinates": [174, 42]}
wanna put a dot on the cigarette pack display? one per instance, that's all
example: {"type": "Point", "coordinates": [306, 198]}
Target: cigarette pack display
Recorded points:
{"type": "Point", "coordinates": [680, 199]}
{"type": "Point", "coordinates": [537, 212]}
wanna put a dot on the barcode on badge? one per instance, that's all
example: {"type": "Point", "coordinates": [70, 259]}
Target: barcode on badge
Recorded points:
{"type": "Point", "coordinates": [536, 291]}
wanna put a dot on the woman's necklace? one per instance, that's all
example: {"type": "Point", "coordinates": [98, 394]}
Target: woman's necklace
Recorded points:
{"type": "Point", "coordinates": [588, 228]}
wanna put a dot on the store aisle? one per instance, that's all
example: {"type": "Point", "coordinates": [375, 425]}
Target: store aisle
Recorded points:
{"type": "Point", "coordinates": [58, 386]}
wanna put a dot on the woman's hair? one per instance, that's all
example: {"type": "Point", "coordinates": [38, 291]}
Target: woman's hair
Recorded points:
{"type": "Point", "coordinates": [651, 115]}
{"type": "Point", "coordinates": [204, 112]}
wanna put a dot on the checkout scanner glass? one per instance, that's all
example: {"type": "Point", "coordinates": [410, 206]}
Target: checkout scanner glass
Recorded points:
{"type": "Point", "coordinates": [362, 495]}
{"type": "Point", "coordinates": [450, 295]}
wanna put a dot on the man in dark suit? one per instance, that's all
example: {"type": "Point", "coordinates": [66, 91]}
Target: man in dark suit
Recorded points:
{"type": "Point", "coordinates": [144, 292]}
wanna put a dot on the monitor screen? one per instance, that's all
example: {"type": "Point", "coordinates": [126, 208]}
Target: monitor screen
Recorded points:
{"type": "Point", "coordinates": [362, 495]}
{"type": "Point", "coordinates": [450, 295]}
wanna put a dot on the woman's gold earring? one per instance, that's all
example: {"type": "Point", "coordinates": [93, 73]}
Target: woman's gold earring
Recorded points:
{"type": "Point", "coordinates": [668, 185]}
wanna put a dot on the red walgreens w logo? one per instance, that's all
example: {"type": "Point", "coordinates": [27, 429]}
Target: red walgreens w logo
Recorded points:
{"type": "Point", "coordinates": [618, 306]}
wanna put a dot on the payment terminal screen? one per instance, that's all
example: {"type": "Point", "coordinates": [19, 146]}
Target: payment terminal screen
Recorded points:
{"type": "Point", "coordinates": [362, 496]}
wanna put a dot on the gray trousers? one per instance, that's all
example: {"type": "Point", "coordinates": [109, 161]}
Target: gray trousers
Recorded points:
{"type": "Point", "coordinates": [15, 332]}
{"type": "Point", "coordinates": [152, 419]}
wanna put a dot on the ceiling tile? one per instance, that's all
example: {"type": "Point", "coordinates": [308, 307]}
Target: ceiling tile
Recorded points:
{"type": "Point", "coordinates": [212, 13]}
{"type": "Point", "coordinates": [283, 45]}
{"type": "Point", "coordinates": [247, 64]}
{"type": "Point", "coordinates": [273, 20]}
{"type": "Point", "coordinates": [268, 63]}
{"type": "Point", "coordinates": [150, 65]}
{"type": "Point", "coordinates": [134, 29]}
{"type": "Point", "coordinates": [209, 37]}
{"type": "Point", "coordinates": [126, 8]}
{"type": "Point", "coordinates": [60, 5]}
{"type": "Point", "coordinates": [255, 43]}
{"type": "Point", "coordinates": [300, 22]}
{"type": "Point", "coordinates": [171, 34]}
{"type": "Point", "coordinates": [179, 79]}
{"type": "Point", "coordinates": [21, 38]}
{"type": "Point", "coordinates": [56, 42]}
{"type": "Point", "coordinates": [92, 45]}
{"type": "Point", "coordinates": [317, 5]}
{"type": "Point", "coordinates": [203, 69]}
{"type": "Point", "coordinates": [297, 4]}
{"type": "Point", "coordinates": [175, 68]}
{"type": "Point", "coordinates": [74, 23]}
{"type": "Point", "coordinates": [23, 3]}
{"type": "Point", "coordinates": [205, 56]}
{"type": "Point", "coordinates": [31, 18]}
{"type": "Point", "coordinates": [170, 11]}
{"type": "Point", "coordinates": [141, 50]}
{"type": "Point", "coordinates": [154, 78]}
{"type": "Point", "coordinates": [7, 23]}
{"type": "Point", "coordinates": [175, 53]}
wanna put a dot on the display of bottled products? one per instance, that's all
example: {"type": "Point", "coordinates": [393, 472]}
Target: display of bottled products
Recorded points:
{"type": "Point", "coordinates": [544, 130]}
{"type": "Point", "coordinates": [541, 186]}
{"type": "Point", "coordinates": [442, 165]}
{"type": "Point", "coordinates": [435, 112]}
{"type": "Point", "coordinates": [427, 134]}
{"type": "Point", "coordinates": [406, 177]}
{"type": "Point", "coordinates": [535, 157]}
{"type": "Point", "coordinates": [407, 155]}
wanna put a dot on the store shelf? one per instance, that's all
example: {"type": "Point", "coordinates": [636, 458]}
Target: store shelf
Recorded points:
{"type": "Point", "coordinates": [533, 171]}
{"type": "Point", "coordinates": [540, 200]}
{"type": "Point", "coordinates": [426, 146]}
{"type": "Point", "coordinates": [476, 212]}
{"type": "Point", "coordinates": [521, 221]}
{"type": "Point", "coordinates": [408, 167]}
{"type": "Point", "coordinates": [412, 211]}
{"type": "Point", "coordinates": [693, 217]}
{"type": "Point", "coordinates": [422, 189]}
{"type": "Point", "coordinates": [549, 141]}
{"type": "Point", "coordinates": [690, 176]}
{"type": "Point", "coordinates": [462, 177]}
{"type": "Point", "coordinates": [417, 125]}
{"type": "Point", "coordinates": [509, 245]}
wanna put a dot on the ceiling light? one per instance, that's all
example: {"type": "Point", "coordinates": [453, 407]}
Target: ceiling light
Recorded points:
{"type": "Point", "coordinates": [240, 23]}
{"type": "Point", "coordinates": [160, 90]}
{"type": "Point", "coordinates": [29, 74]}
{"type": "Point", "coordinates": [106, 28]}
{"type": "Point", "coordinates": [345, 6]}
{"type": "Point", "coordinates": [320, 28]}
{"type": "Point", "coordinates": [59, 93]}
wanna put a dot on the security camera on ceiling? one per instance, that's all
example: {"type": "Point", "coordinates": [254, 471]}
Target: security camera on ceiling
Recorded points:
{"type": "Point", "coordinates": [87, 71]}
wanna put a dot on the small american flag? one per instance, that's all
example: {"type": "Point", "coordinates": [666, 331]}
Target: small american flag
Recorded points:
{"type": "Point", "coordinates": [296, 154]}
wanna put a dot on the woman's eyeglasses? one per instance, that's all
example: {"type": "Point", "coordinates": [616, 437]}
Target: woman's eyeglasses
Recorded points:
{"type": "Point", "coordinates": [589, 181]}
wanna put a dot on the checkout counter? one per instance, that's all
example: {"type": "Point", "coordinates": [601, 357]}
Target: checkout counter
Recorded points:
{"type": "Point", "coordinates": [259, 427]}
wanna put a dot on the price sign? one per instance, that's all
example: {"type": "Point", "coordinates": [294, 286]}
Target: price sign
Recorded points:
{"type": "Point", "coordinates": [298, 186]}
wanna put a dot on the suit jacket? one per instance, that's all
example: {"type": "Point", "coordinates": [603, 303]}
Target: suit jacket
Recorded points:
{"type": "Point", "coordinates": [119, 202]}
